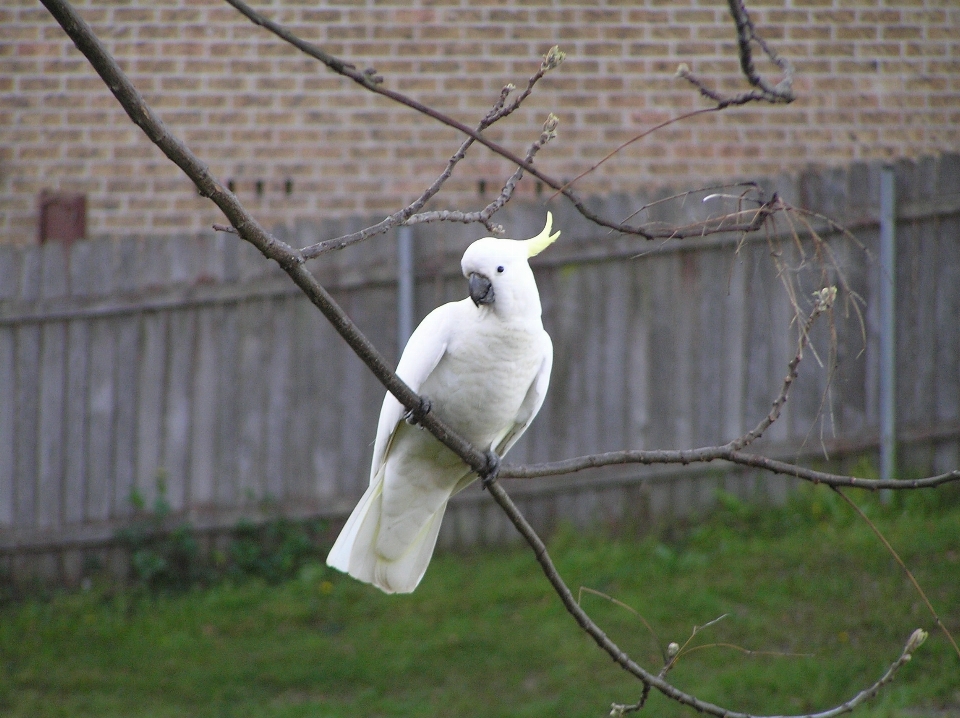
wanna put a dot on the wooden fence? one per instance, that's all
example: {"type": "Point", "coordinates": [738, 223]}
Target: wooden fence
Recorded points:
{"type": "Point", "coordinates": [194, 362]}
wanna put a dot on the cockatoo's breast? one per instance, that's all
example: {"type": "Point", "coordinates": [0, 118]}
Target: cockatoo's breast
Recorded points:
{"type": "Point", "coordinates": [484, 375]}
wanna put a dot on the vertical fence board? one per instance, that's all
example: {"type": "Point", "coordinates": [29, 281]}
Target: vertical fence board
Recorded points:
{"type": "Point", "coordinates": [251, 350]}
{"type": "Point", "coordinates": [30, 273]}
{"type": "Point", "coordinates": [947, 323]}
{"type": "Point", "coordinates": [203, 461]}
{"type": "Point", "coordinates": [27, 382]}
{"type": "Point", "coordinates": [8, 404]}
{"type": "Point", "coordinates": [613, 339]}
{"type": "Point", "coordinates": [76, 461]}
{"type": "Point", "coordinates": [10, 258]}
{"type": "Point", "coordinates": [228, 434]}
{"type": "Point", "coordinates": [871, 318]}
{"type": "Point", "coordinates": [733, 349]}
{"type": "Point", "coordinates": [153, 350]}
{"type": "Point", "coordinates": [127, 329]}
{"type": "Point", "coordinates": [850, 412]}
{"type": "Point", "coordinates": [304, 441]}
{"type": "Point", "coordinates": [637, 375]}
{"type": "Point", "coordinates": [278, 371]}
{"type": "Point", "coordinates": [710, 336]}
{"type": "Point", "coordinates": [947, 359]}
{"type": "Point", "coordinates": [53, 270]}
{"type": "Point", "coordinates": [177, 406]}
{"type": "Point", "coordinates": [588, 428]}
{"type": "Point", "coordinates": [567, 349]}
{"type": "Point", "coordinates": [50, 425]}
{"type": "Point", "coordinates": [101, 412]}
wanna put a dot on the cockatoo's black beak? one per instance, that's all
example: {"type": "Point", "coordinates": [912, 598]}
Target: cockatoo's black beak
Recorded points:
{"type": "Point", "coordinates": [481, 289]}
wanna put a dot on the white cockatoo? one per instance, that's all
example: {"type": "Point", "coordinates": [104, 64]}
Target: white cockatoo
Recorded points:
{"type": "Point", "coordinates": [484, 364]}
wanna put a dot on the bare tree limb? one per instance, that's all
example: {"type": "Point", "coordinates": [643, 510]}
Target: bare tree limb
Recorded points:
{"type": "Point", "coordinates": [896, 556]}
{"type": "Point", "coordinates": [732, 451]}
{"type": "Point", "coordinates": [649, 679]}
{"type": "Point", "coordinates": [290, 259]}
{"type": "Point", "coordinates": [548, 133]}
{"type": "Point", "coordinates": [747, 34]}
{"type": "Point", "coordinates": [373, 82]}
{"type": "Point", "coordinates": [408, 216]}
{"type": "Point", "coordinates": [708, 454]}
{"type": "Point", "coordinates": [825, 299]}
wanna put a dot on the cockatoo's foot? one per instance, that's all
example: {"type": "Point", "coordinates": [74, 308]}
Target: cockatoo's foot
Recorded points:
{"type": "Point", "coordinates": [415, 416]}
{"type": "Point", "coordinates": [488, 474]}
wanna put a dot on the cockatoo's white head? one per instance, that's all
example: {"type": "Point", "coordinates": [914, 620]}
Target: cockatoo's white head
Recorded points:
{"type": "Point", "coordinates": [499, 275]}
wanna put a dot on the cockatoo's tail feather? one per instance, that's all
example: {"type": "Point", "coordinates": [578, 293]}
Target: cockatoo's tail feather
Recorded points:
{"type": "Point", "coordinates": [354, 551]}
{"type": "Point", "coordinates": [537, 244]}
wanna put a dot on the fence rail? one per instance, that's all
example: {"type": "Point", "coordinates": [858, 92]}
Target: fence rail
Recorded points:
{"type": "Point", "coordinates": [194, 363]}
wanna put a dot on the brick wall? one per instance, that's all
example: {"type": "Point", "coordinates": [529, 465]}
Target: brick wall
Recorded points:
{"type": "Point", "coordinates": [876, 79]}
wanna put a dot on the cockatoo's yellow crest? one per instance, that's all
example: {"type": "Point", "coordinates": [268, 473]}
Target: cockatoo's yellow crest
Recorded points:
{"type": "Point", "coordinates": [537, 244]}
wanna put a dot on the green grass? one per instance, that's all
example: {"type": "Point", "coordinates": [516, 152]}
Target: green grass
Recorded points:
{"type": "Point", "coordinates": [485, 636]}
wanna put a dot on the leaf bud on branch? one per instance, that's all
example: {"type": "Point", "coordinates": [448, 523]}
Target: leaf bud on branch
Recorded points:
{"type": "Point", "coordinates": [549, 129]}
{"type": "Point", "coordinates": [553, 58]}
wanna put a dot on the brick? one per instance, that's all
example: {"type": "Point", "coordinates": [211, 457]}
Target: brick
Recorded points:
{"type": "Point", "coordinates": [901, 32]}
{"type": "Point", "coordinates": [857, 32]}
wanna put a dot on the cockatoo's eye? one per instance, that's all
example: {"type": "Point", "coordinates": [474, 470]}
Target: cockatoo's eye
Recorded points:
{"type": "Point", "coordinates": [500, 269]}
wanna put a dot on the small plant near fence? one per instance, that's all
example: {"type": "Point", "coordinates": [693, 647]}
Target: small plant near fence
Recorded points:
{"type": "Point", "coordinates": [166, 554]}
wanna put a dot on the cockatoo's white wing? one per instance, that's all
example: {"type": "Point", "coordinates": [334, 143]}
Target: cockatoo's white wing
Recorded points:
{"type": "Point", "coordinates": [532, 402]}
{"type": "Point", "coordinates": [528, 410]}
{"type": "Point", "coordinates": [423, 352]}
{"type": "Point", "coordinates": [352, 552]}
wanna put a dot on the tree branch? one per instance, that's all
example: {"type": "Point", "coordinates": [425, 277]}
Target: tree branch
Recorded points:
{"type": "Point", "coordinates": [649, 679]}
{"type": "Point", "coordinates": [781, 93]}
{"type": "Point", "coordinates": [290, 259]}
{"type": "Point", "coordinates": [408, 216]}
{"type": "Point", "coordinates": [708, 454]}
{"type": "Point", "coordinates": [824, 302]}
{"type": "Point", "coordinates": [373, 82]}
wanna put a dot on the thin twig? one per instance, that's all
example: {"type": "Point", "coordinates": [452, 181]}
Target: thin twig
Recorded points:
{"type": "Point", "coordinates": [708, 454]}
{"type": "Point", "coordinates": [759, 199]}
{"type": "Point", "coordinates": [547, 134]}
{"type": "Point", "coordinates": [747, 33]}
{"type": "Point", "coordinates": [627, 143]}
{"type": "Point", "coordinates": [624, 660]}
{"type": "Point", "coordinates": [373, 82]}
{"type": "Point", "coordinates": [782, 93]}
{"type": "Point", "coordinates": [408, 215]}
{"type": "Point", "coordinates": [825, 299]}
{"type": "Point", "coordinates": [617, 602]}
{"type": "Point", "coordinates": [896, 556]}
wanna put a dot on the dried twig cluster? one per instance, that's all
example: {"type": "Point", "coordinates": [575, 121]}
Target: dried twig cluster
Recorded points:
{"type": "Point", "coordinates": [292, 260]}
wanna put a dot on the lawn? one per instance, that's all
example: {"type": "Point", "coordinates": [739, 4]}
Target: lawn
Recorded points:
{"type": "Point", "coordinates": [807, 587]}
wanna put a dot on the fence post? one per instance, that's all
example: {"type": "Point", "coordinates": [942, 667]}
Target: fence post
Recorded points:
{"type": "Point", "coordinates": [888, 358]}
{"type": "Point", "coordinates": [405, 280]}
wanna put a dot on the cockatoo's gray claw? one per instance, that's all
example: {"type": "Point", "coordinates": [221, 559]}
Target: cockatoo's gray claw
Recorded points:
{"type": "Point", "coordinates": [415, 416]}
{"type": "Point", "coordinates": [488, 474]}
